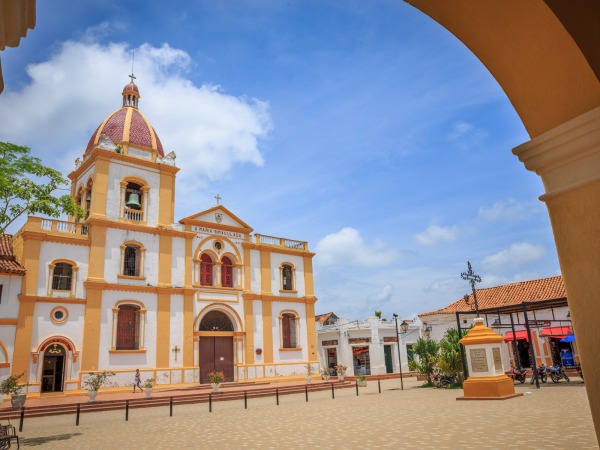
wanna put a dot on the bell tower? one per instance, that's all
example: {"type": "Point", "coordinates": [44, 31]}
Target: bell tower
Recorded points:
{"type": "Point", "coordinates": [124, 174]}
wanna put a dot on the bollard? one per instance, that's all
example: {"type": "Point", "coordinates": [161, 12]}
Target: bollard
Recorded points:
{"type": "Point", "coordinates": [356, 382]}
{"type": "Point", "coordinates": [126, 410]}
{"type": "Point", "coordinates": [332, 392]}
{"type": "Point", "coordinates": [245, 399]}
{"type": "Point", "coordinates": [306, 391]}
{"type": "Point", "coordinates": [22, 419]}
{"type": "Point", "coordinates": [78, 411]}
{"type": "Point", "coordinates": [379, 384]}
{"type": "Point", "coordinates": [277, 396]}
{"type": "Point", "coordinates": [171, 407]}
{"type": "Point", "coordinates": [209, 402]}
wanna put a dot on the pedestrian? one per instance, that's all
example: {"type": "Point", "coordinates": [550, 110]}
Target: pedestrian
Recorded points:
{"type": "Point", "coordinates": [137, 381]}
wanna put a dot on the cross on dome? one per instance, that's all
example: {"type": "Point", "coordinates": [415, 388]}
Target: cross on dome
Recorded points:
{"type": "Point", "coordinates": [133, 77]}
{"type": "Point", "coordinates": [131, 93]}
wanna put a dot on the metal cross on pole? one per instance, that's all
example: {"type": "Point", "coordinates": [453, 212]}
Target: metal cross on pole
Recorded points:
{"type": "Point", "coordinates": [472, 279]}
{"type": "Point", "coordinates": [218, 197]}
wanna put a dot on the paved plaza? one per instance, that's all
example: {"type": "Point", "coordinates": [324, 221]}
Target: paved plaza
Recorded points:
{"type": "Point", "coordinates": [553, 417]}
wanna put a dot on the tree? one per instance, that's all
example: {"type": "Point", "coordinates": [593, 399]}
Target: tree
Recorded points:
{"type": "Point", "coordinates": [450, 357]}
{"type": "Point", "coordinates": [27, 187]}
{"type": "Point", "coordinates": [378, 314]}
{"type": "Point", "coordinates": [427, 351]}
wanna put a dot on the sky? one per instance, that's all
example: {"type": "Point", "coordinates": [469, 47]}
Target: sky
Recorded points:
{"type": "Point", "coordinates": [364, 128]}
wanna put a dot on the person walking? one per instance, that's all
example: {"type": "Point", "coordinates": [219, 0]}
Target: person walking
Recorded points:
{"type": "Point", "coordinates": [137, 381]}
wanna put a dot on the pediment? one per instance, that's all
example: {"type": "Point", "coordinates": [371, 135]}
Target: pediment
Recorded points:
{"type": "Point", "coordinates": [217, 217]}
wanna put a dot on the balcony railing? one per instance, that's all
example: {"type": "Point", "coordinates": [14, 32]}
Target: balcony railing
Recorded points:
{"type": "Point", "coordinates": [133, 214]}
{"type": "Point", "coordinates": [280, 242]}
{"type": "Point", "coordinates": [57, 226]}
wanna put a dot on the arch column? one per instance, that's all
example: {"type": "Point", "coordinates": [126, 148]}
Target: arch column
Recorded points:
{"type": "Point", "coordinates": [567, 158]}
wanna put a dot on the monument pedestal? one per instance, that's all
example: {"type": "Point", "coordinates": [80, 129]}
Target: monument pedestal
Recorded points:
{"type": "Point", "coordinates": [487, 380]}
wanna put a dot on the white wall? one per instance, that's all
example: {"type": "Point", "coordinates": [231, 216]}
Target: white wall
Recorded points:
{"type": "Point", "coordinates": [112, 267]}
{"type": "Point", "coordinates": [9, 303]}
{"type": "Point", "coordinates": [178, 262]}
{"type": "Point", "coordinates": [176, 330]}
{"type": "Point", "coordinates": [254, 271]}
{"type": "Point", "coordinates": [277, 259]}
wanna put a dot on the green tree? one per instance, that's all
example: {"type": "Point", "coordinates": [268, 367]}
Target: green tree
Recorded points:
{"type": "Point", "coordinates": [378, 314]}
{"type": "Point", "coordinates": [27, 187]}
{"type": "Point", "coordinates": [427, 352]}
{"type": "Point", "coordinates": [450, 358]}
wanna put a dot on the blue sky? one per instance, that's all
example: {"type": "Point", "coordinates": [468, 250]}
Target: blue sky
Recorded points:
{"type": "Point", "coordinates": [364, 128]}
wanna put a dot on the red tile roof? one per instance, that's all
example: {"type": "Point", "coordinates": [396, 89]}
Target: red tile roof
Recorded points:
{"type": "Point", "coordinates": [322, 318]}
{"type": "Point", "coordinates": [509, 295]}
{"type": "Point", "coordinates": [8, 262]}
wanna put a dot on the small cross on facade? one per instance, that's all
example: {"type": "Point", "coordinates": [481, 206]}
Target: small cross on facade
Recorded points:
{"type": "Point", "coordinates": [176, 350]}
{"type": "Point", "coordinates": [472, 279]}
{"type": "Point", "coordinates": [218, 197]}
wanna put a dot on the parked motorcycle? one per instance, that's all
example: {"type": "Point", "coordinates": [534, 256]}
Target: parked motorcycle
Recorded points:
{"type": "Point", "coordinates": [518, 375]}
{"type": "Point", "coordinates": [442, 380]}
{"type": "Point", "coordinates": [542, 374]}
{"type": "Point", "coordinates": [556, 373]}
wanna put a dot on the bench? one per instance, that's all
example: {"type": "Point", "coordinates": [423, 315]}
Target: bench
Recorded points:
{"type": "Point", "coordinates": [8, 433]}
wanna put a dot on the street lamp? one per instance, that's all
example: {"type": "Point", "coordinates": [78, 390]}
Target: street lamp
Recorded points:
{"type": "Point", "coordinates": [427, 332]}
{"type": "Point", "coordinates": [404, 326]}
{"type": "Point", "coordinates": [398, 342]}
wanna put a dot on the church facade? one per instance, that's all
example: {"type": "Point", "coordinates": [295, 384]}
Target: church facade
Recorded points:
{"type": "Point", "coordinates": [127, 287]}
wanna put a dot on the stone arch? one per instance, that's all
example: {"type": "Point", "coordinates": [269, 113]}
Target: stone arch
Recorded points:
{"type": "Point", "coordinates": [235, 318]}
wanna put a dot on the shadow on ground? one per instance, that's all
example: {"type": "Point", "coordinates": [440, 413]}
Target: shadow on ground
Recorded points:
{"type": "Point", "coordinates": [47, 439]}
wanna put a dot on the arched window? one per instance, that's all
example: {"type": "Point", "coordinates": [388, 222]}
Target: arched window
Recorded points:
{"type": "Point", "coordinates": [226, 272]}
{"type": "Point", "coordinates": [128, 326]}
{"type": "Point", "coordinates": [206, 270]}
{"type": "Point", "coordinates": [134, 202]}
{"type": "Point", "coordinates": [216, 321]}
{"type": "Point", "coordinates": [62, 277]}
{"type": "Point", "coordinates": [287, 278]}
{"type": "Point", "coordinates": [289, 331]}
{"type": "Point", "coordinates": [131, 260]}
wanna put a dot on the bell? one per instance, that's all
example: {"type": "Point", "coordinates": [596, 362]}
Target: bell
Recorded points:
{"type": "Point", "coordinates": [133, 201]}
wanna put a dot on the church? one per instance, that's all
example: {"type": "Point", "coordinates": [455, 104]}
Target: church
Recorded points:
{"type": "Point", "coordinates": [126, 287]}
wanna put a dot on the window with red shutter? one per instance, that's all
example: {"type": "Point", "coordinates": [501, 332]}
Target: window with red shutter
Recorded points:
{"type": "Point", "coordinates": [206, 272]}
{"type": "Point", "coordinates": [226, 272]}
{"type": "Point", "coordinates": [127, 327]}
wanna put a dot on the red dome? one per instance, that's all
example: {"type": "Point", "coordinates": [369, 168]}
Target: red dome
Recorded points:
{"type": "Point", "coordinates": [127, 126]}
{"type": "Point", "coordinates": [131, 87]}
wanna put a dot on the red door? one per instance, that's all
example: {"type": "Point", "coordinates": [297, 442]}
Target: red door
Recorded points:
{"type": "Point", "coordinates": [216, 355]}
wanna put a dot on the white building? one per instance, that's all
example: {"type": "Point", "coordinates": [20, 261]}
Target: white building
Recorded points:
{"type": "Point", "coordinates": [128, 287]}
{"type": "Point", "coordinates": [368, 347]}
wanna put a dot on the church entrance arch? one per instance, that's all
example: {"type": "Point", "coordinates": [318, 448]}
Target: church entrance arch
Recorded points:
{"type": "Point", "coordinates": [53, 368]}
{"type": "Point", "coordinates": [216, 345]}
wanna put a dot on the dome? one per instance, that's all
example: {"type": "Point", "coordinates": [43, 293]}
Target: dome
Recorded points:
{"type": "Point", "coordinates": [127, 126]}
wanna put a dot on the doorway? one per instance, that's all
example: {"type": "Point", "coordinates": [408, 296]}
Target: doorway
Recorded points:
{"type": "Point", "coordinates": [216, 346]}
{"type": "Point", "coordinates": [216, 355]}
{"type": "Point", "coordinates": [53, 369]}
{"type": "Point", "coordinates": [523, 352]}
{"type": "Point", "coordinates": [362, 361]}
{"type": "Point", "coordinates": [389, 366]}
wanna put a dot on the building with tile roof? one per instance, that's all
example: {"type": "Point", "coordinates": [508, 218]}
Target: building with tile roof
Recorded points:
{"type": "Point", "coordinates": [545, 300]}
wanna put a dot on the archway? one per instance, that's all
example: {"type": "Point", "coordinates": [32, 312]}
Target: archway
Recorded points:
{"type": "Point", "coordinates": [544, 54]}
{"type": "Point", "coordinates": [53, 368]}
{"type": "Point", "coordinates": [216, 345]}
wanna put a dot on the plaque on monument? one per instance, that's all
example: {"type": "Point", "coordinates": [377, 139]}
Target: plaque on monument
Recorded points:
{"type": "Point", "coordinates": [478, 360]}
{"type": "Point", "coordinates": [497, 359]}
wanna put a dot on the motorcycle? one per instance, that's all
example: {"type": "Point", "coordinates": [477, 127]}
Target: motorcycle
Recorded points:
{"type": "Point", "coordinates": [518, 375]}
{"type": "Point", "coordinates": [542, 374]}
{"type": "Point", "coordinates": [442, 380]}
{"type": "Point", "coordinates": [556, 373]}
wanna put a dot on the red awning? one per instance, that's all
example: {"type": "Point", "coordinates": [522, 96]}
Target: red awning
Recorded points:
{"type": "Point", "coordinates": [522, 334]}
{"type": "Point", "coordinates": [556, 332]}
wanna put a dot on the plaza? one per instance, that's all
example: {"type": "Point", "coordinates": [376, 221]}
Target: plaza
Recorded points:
{"type": "Point", "coordinates": [556, 416]}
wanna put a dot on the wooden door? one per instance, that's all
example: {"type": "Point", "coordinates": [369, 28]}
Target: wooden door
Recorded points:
{"type": "Point", "coordinates": [216, 354]}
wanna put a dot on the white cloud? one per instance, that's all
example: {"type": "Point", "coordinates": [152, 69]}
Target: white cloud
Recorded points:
{"type": "Point", "coordinates": [465, 135]}
{"type": "Point", "coordinates": [75, 89]}
{"type": "Point", "coordinates": [434, 234]}
{"type": "Point", "coordinates": [514, 256]}
{"type": "Point", "coordinates": [347, 248]}
{"type": "Point", "coordinates": [507, 211]}
{"type": "Point", "coordinates": [382, 297]}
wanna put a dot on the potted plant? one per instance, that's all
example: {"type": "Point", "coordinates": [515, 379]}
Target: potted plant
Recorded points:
{"type": "Point", "coordinates": [362, 380]}
{"type": "Point", "coordinates": [148, 387]}
{"type": "Point", "coordinates": [11, 386]}
{"type": "Point", "coordinates": [341, 371]}
{"type": "Point", "coordinates": [308, 373]}
{"type": "Point", "coordinates": [216, 378]}
{"type": "Point", "coordinates": [326, 374]}
{"type": "Point", "coordinates": [94, 382]}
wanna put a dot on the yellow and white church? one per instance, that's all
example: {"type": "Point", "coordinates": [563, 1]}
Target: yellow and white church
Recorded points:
{"type": "Point", "coordinates": [128, 288]}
